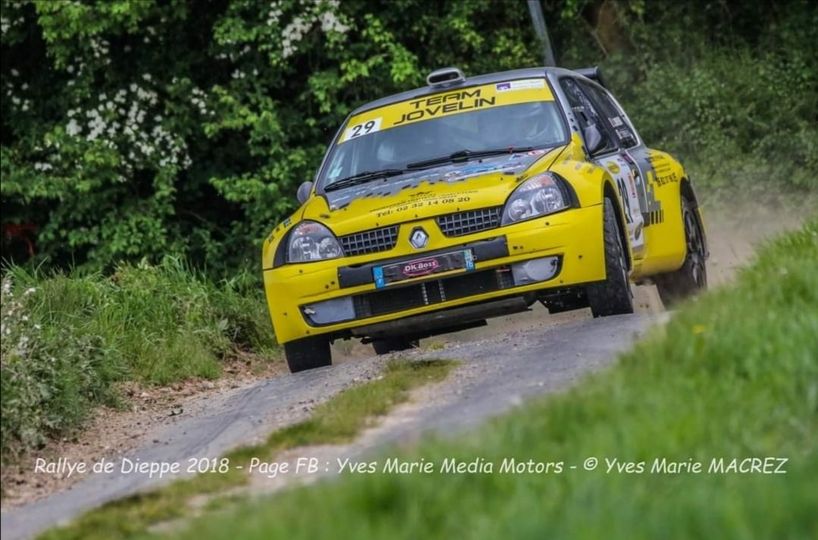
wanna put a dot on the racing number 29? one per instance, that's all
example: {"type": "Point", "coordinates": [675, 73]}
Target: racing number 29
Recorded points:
{"type": "Point", "coordinates": [356, 130]}
{"type": "Point", "coordinates": [364, 128]}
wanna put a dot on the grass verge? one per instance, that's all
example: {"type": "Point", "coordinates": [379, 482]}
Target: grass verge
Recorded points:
{"type": "Point", "coordinates": [68, 338]}
{"type": "Point", "coordinates": [734, 374]}
{"type": "Point", "coordinates": [337, 420]}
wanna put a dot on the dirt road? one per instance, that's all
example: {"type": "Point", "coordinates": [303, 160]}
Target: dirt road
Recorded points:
{"type": "Point", "coordinates": [518, 358]}
{"type": "Point", "coordinates": [501, 365]}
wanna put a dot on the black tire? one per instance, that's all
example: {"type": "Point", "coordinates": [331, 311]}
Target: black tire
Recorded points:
{"type": "Point", "coordinates": [307, 353]}
{"type": "Point", "coordinates": [692, 276]}
{"type": "Point", "coordinates": [386, 346]}
{"type": "Point", "coordinates": [612, 296]}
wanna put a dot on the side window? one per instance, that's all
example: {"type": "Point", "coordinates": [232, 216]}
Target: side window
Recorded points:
{"type": "Point", "coordinates": [612, 114]}
{"type": "Point", "coordinates": [586, 112]}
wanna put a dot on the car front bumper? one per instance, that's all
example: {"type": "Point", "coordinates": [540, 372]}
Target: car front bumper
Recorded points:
{"type": "Point", "coordinates": [338, 296]}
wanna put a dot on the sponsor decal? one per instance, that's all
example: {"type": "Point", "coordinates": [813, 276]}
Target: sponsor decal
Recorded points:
{"type": "Point", "coordinates": [524, 84]}
{"type": "Point", "coordinates": [480, 169]}
{"type": "Point", "coordinates": [451, 102]}
{"type": "Point", "coordinates": [423, 109]}
{"type": "Point", "coordinates": [624, 134]}
{"type": "Point", "coordinates": [420, 267]}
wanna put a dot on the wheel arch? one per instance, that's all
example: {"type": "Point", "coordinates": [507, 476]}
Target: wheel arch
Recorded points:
{"type": "Point", "coordinates": [686, 191]}
{"type": "Point", "coordinates": [609, 192]}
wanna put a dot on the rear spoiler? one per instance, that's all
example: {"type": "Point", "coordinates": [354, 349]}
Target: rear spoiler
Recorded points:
{"type": "Point", "coordinates": [593, 73]}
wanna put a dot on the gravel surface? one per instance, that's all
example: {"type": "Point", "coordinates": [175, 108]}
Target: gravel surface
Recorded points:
{"type": "Point", "coordinates": [519, 360]}
{"type": "Point", "coordinates": [516, 358]}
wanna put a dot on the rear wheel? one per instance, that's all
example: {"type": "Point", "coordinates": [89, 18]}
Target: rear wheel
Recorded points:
{"type": "Point", "coordinates": [307, 353]}
{"type": "Point", "coordinates": [692, 276]}
{"type": "Point", "coordinates": [388, 345]}
{"type": "Point", "coordinates": [612, 296]}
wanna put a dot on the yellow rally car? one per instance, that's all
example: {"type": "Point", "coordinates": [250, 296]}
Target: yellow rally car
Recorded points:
{"type": "Point", "coordinates": [440, 207]}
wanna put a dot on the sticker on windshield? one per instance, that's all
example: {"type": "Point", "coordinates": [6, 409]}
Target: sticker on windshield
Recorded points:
{"type": "Point", "coordinates": [524, 84]}
{"type": "Point", "coordinates": [364, 128]}
{"type": "Point", "coordinates": [445, 103]}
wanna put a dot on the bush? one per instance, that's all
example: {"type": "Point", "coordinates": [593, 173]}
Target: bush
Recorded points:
{"type": "Point", "coordinates": [736, 118]}
{"type": "Point", "coordinates": [67, 338]}
{"type": "Point", "coordinates": [136, 129]}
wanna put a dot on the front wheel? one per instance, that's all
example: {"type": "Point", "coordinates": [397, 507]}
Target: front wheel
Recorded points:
{"type": "Point", "coordinates": [612, 296]}
{"type": "Point", "coordinates": [307, 353]}
{"type": "Point", "coordinates": [388, 345]}
{"type": "Point", "coordinates": [692, 276]}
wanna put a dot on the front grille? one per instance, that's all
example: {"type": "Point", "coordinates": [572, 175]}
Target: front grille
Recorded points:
{"type": "Point", "coordinates": [431, 292]}
{"type": "Point", "coordinates": [471, 221]}
{"type": "Point", "coordinates": [371, 241]}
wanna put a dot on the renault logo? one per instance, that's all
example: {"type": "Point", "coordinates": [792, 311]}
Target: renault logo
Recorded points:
{"type": "Point", "coordinates": [418, 238]}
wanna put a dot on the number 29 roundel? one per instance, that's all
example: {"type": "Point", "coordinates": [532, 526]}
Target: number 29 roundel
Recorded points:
{"type": "Point", "coordinates": [365, 128]}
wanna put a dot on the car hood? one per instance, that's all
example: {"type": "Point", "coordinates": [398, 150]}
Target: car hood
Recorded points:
{"type": "Point", "coordinates": [422, 194]}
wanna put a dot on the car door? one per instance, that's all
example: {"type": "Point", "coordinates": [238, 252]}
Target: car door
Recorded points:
{"type": "Point", "coordinates": [629, 144]}
{"type": "Point", "coordinates": [613, 155]}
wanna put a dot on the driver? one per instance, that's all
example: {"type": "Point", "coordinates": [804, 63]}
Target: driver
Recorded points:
{"type": "Point", "coordinates": [526, 124]}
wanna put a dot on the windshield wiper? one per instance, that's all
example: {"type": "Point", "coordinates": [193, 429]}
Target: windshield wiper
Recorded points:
{"type": "Point", "coordinates": [466, 154]}
{"type": "Point", "coordinates": [362, 178]}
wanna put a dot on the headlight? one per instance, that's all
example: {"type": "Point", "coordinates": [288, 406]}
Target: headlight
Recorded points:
{"type": "Point", "coordinates": [535, 197]}
{"type": "Point", "coordinates": [311, 241]}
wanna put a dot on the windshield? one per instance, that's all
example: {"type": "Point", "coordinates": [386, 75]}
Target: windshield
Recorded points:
{"type": "Point", "coordinates": [409, 134]}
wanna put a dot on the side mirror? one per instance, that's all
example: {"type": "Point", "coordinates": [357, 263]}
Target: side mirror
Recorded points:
{"type": "Point", "coordinates": [593, 138]}
{"type": "Point", "coordinates": [303, 192]}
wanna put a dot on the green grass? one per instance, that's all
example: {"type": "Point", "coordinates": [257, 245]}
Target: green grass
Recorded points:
{"type": "Point", "coordinates": [339, 419]}
{"type": "Point", "coordinates": [734, 374]}
{"type": "Point", "coordinates": [67, 339]}
{"type": "Point", "coordinates": [335, 421]}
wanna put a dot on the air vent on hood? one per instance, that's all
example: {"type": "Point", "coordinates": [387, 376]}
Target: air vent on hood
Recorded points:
{"type": "Point", "coordinates": [445, 77]}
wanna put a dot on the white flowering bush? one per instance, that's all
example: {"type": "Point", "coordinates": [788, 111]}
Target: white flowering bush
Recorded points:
{"type": "Point", "coordinates": [48, 374]}
{"type": "Point", "coordinates": [139, 129]}
{"type": "Point", "coordinates": [19, 350]}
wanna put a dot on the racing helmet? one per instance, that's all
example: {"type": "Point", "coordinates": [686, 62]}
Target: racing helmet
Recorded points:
{"type": "Point", "coordinates": [520, 124]}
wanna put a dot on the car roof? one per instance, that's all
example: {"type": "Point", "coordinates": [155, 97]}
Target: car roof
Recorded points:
{"type": "Point", "coordinates": [477, 80]}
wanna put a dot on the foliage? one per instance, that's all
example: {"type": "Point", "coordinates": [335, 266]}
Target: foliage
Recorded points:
{"type": "Point", "coordinates": [733, 375]}
{"type": "Point", "coordinates": [140, 128]}
{"type": "Point", "coordinates": [741, 114]}
{"type": "Point", "coordinates": [144, 128]}
{"type": "Point", "coordinates": [66, 339]}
